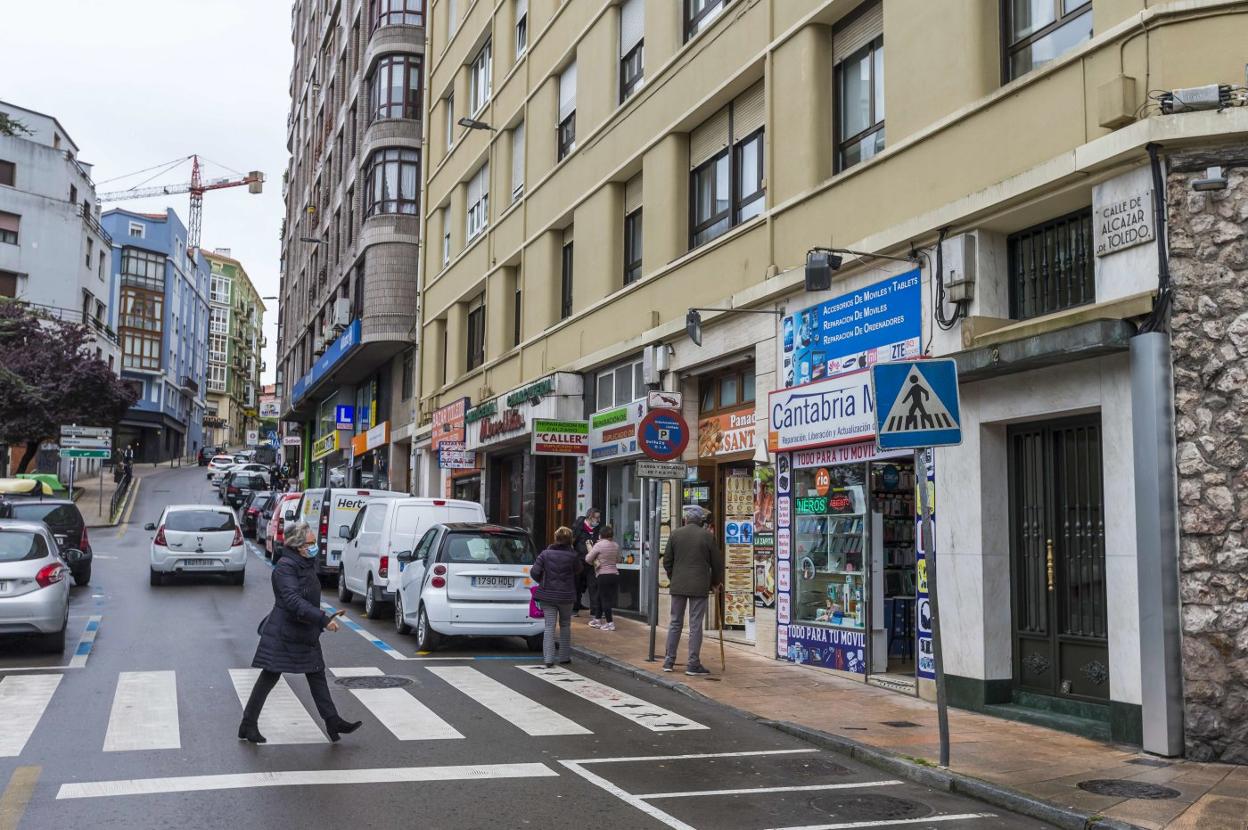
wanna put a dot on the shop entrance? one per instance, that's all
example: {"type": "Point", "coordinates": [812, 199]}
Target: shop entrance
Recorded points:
{"type": "Point", "coordinates": [557, 505]}
{"type": "Point", "coordinates": [507, 490]}
{"type": "Point", "coordinates": [1057, 541]}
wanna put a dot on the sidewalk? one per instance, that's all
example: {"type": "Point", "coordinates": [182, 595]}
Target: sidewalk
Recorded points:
{"type": "Point", "coordinates": [1038, 762]}
{"type": "Point", "coordinates": [89, 502]}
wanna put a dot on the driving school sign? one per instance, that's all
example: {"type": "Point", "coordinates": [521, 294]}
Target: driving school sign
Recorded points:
{"type": "Point", "coordinates": [560, 437]}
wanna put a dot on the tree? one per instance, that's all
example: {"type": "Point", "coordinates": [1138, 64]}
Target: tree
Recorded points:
{"type": "Point", "coordinates": [11, 126]}
{"type": "Point", "coordinates": [49, 377]}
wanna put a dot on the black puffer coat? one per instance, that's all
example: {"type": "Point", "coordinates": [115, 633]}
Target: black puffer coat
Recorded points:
{"type": "Point", "coordinates": [290, 637]}
{"type": "Point", "coordinates": [555, 571]}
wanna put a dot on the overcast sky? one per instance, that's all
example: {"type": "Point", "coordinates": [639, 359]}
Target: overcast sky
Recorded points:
{"type": "Point", "coordinates": [139, 82]}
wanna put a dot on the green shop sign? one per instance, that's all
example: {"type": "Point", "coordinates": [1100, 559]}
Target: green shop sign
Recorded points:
{"type": "Point", "coordinates": [611, 416]}
{"type": "Point", "coordinates": [533, 391]}
{"type": "Point", "coordinates": [811, 505]}
{"type": "Point", "coordinates": [477, 413]}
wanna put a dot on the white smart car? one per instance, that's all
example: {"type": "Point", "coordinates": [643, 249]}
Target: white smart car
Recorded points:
{"type": "Point", "coordinates": [197, 539]}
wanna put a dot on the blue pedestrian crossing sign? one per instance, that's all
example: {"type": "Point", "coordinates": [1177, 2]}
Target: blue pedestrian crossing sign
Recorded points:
{"type": "Point", "coordinates": [916, 404]}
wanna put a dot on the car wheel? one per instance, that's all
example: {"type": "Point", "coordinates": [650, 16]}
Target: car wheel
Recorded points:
{"type": "Point", "coordinates": [344, 595]}
{"type": "Point", "coordinates": [372, 608]}
{"type": "Point", "coordinates": [239, 578]}
{"type": "Point", "coordinates": [157, 578]}
{"type": "Point", "coordinates": [535, 642]}
{"type": "Point", "coordinates": [400, 624]}
{"type": "Point", "coordinates": [83, 575]}
{"type": "Point", "coordinates": [54, 643]}
{"type": "Point", "coordinates": [426, 638]}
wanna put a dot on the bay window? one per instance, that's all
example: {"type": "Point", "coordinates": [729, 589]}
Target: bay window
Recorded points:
{"type": "Point", "coordinates": [392, 183]}
{"type": "Point", "coordinates": [396, 87]}
{"type": "Point", "coordinates": [398, 13]}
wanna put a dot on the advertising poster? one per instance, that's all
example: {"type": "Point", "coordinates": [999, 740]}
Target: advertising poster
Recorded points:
{"type": "Point", "coordinates": [764, 536]}
{"type": "Point", "coordinates": [926, 657]}
{"type": "Point", "coordinates": [739, 547]}
{"type": "Point", "coordinates": [783, 483]}
{"type": "Point", "coordinates": [764, 499]}
{"type": "Point", "coordinates": [560, 437]}
{"type": "Point", "coordinates": [829, 648]}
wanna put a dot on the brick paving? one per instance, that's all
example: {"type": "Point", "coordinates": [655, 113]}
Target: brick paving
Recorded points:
{"type": "Point", "coordinates": [1034, 760]}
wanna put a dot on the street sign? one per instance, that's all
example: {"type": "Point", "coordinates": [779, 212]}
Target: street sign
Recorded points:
{"type": "Point", "coordinates": [105, 443]}
{"type": "Point", "coordinates": [253, 437]}
{"type": "Point", "coordinates": [662, 399]}
{"type": "Point", "coordinates": [453, 456]}
{"type": "Point", "coordinates": [916, 404]}
{"type": "Point", "coordinates": [344, 416]}
{"type": "Point", "coordinates": [86, 453]}
{"type": "Point", "coordinates": [86, 432]}
{"type": "Point", "coordinates": [662, 469]}
{"type": "Point", "coordinates": [663, 434]}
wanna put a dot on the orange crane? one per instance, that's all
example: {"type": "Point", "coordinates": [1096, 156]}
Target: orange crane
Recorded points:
{"type": "Point", "coordinates": [196, 187]}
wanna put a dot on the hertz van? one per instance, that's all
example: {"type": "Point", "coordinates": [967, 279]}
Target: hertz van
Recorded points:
{"type": "Point", "coordinates": [331, 507]}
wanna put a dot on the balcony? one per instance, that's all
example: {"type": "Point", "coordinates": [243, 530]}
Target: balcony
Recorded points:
{"type": "Point", "coordinates": [190, 383]}
{"type": "Point", "coordinates": [93, 225]}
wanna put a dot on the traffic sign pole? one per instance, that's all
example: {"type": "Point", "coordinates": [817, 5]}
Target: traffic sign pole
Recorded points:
{"type": "Point", "coordinates": [929, 558]}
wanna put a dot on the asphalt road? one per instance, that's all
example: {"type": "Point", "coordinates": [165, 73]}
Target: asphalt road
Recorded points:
{"type": "Point", "coordinates": [136, 728]}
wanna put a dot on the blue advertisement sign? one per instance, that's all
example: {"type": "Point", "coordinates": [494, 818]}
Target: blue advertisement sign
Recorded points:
{"type": "Point", "coordinates": [829, 648]}
{"type": "Point", "coordinates": [875, 324]}
{"type": "Point", "coordinates": [926, 656]}
{"type": "Point", "coordinates": [344, 416]}
{"type": "Point", "coordinates": [345, 344]}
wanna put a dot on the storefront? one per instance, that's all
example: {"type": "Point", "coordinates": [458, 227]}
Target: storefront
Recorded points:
{"type": "Point", "coordinates": [370, 458]}
{"type": "Point", "coordinates": [617, 490]}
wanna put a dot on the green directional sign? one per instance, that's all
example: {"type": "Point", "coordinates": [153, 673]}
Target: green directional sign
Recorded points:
{"type": "Point", "coordinates": [85, 453]}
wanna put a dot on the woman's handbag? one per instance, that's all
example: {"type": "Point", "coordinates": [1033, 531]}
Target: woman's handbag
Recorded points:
{"type": "Point", "coordinates": [535, 610]}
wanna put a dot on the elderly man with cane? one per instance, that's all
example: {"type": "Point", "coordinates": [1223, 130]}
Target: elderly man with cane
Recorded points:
{"type": "Point", "coordinates": [694, 567]}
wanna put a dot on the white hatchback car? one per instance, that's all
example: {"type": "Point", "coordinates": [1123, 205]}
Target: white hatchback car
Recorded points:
{"type": "Point", "coordinates": [197, 539]}
{"type": "Point", "coordinates": [220, 463]}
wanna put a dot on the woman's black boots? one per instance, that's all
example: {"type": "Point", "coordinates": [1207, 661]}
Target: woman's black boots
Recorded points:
{"type": "Point", "coordinates": [337, 726]}
{"type": "Point", "coordinates": [247, 731]}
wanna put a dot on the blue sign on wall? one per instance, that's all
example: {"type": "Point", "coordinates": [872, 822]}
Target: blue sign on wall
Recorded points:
{"type": "Point", "coordinates": [916, 404]}
{"type": "Point", "coordinates": [344, 416]}
{"type": "Point", "coordinates": [875, 324]}
{"type": "Point", "coordinates": [344, 345]}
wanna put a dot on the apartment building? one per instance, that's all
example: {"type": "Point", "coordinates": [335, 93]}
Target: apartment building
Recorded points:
{"type": "Point", "coordinates": [1015, 161]}
{"type": "Point", "coordinates": [351, 237]}
{"type": "Point", "coordinates": [235, 341]}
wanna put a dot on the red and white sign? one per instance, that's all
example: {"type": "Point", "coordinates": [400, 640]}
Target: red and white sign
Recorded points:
{"type": "Point", "coordinates": [662, 399]}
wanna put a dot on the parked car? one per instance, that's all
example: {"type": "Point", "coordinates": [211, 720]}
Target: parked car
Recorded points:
{"type": "Point", "coordinates": [240, 485]}
{"type": "Point", "coordinates": [206, 454]}
{"type": "Point", "coordinates": [334, 507]}
{"type": "Point", "coordinates": [249, 512]}
{"type": "Point", "coordinates": [283, 512]}
{"type": "Point", "coordinates": [466, 579]}
{"type": "Point", "coordinates": [197, 539]}
{"type": "Point", "coordinates": [219, 463]}
{"type": "Point", "coordinates": [219, 477]}
{"type": "Point", "coordinates": [266, 510]}
{"type": "Point", "coordinates": [68, 527]}
{"type": "Point", "coordinates": [244, 456]}
{"type": "Point", "coordinates": [34, 584]}
{"type": "Point", "coordinates": [383, 528]}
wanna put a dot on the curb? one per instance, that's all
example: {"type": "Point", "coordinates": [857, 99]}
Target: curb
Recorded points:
{"type": "Point", "coordinates": [898, 765]}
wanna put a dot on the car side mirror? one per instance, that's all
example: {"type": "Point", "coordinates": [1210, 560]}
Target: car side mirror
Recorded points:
{"type": "Point", "coordinates": [344, 532]}
{"type": "Point", "coordinates": [405, 556]}
{"type": "Point", "coordinates": [149, 526]}
{"type": "Point", "coordinates": [73, 556]}
{"type": "Point", "coordinates": [289, 515]}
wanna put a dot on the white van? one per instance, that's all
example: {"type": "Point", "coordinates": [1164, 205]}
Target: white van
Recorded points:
{"type": "Point", "coordinates": [380, 531]}
{"type": "Point", "coordinates": [326, 508]}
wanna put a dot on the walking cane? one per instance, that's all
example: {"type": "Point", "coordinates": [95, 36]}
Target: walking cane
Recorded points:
{"type": "Point", "coordinates": [722, 664]}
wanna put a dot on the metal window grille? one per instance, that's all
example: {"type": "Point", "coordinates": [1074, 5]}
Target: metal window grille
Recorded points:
{"type": "Point", "coordinates": [1051, 266]}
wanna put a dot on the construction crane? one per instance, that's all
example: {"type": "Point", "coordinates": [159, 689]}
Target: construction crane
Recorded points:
{"type": "Point", "coordinates": [196, 187]}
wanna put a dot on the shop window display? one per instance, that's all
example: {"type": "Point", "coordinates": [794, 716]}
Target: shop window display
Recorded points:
{"type": "Point", "coordinates": [831, 580]}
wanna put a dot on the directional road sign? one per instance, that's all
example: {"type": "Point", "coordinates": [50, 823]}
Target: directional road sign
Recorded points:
{"type": "Point", "coordinates": [67, 442]}
{"type": "Point", "coordinates": [85, 432]}
{"type": "Point", "coordinates": [85, 453]}
{"type": "Point", "coordinates": [916, 404]}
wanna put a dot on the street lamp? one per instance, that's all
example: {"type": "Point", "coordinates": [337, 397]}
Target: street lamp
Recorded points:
{"type": "Point", "coordinates": [474, 124]}
{"type": "Point", "coordinates": [821, 262]}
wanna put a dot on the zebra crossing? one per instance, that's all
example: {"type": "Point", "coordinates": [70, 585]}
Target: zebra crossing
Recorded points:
{"type": "Point", "coordinates": [145, 713]}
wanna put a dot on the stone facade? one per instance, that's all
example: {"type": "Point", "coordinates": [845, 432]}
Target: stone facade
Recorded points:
{"type": "Point", "coordinates": [1209, 265]}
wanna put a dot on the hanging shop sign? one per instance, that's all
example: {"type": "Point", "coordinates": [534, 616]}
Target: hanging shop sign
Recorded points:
{"type": "Point", "coordinates": [662, 469]}
{"type": "Point", "coordinates": [456, 457]}
{"type": "Point", "coordinates": [878, 323]}
{"type": "Point", "coordinates": [376, 437]}
{"type": "Point", "coordinates": [325, 445]}
{"type": "Point", "coordinates": [663, 434]}
{"type": "Point", "coordinates": [838, 410]}
{"type": "Point", "coordinates": [270, 409]}
{"type": "Point", "coordinates": [448, 424]}
{"type": "Point", "coordinates": [512, 415]}
{"type": "Point", "coordinates": [344, 416]}
{"type": "Point", "coordinates": [727, 434]}
{"type": "Point", "coordinates": [613, 432]}
{"type": "Point", "coordinates": [291, 441]}
{"type": "Point", "coordinates": [501, 426]}
{"type": "Point", "coordinates": [560, 437]}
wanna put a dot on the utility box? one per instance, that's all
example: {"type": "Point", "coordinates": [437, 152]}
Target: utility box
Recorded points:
{"type": "Point", "coordinates": [1115, 102]}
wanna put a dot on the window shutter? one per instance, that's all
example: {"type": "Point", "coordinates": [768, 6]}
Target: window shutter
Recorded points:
{"type": "Point", "coordinates": [10, 222]}
{"type": "Point", "coordinates": [474, 188]}
{"type": "Point", "coordinates": [867, 26]}
{"type": "Point", "coordinates": [708, 138]}
{"type": "Point", "coordinates": [632, 194]}
{"type": "Point", "coordinates": [632, 25]}
{"type": "Point", "coordinates": [517, 158]}
{"type": "Point", "coordinates": [567, 91]}
{"type": "Point", "coordinates": [748, 113]}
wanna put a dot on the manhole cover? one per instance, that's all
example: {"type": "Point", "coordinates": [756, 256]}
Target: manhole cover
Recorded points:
{"type": "Point", "coordinates": [376, 681]}
{"type": "Point", "coordinates": [809, 766]}
{"type": "Point", "coordinates": [1120, 788]}
{"type": "Point", "coordinates": [870, 807]}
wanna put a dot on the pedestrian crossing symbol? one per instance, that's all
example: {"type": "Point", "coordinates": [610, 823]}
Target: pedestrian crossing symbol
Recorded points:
{"type": "Point", "coordinates": [916, 404]}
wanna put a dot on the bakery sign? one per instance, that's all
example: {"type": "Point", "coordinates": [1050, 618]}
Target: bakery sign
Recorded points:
{"type": "Point", "coordinates": [726, 434]}
{"type": "Point", "coordinates": [1124, 223]}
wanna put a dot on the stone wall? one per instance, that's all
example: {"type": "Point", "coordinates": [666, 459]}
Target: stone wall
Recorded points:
{"type": "Point", "coordinates": [1209, 268]}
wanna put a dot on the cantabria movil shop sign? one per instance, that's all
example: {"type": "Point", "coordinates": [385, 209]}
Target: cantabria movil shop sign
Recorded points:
{"type": "Point", "coordinates": [838, 410]}
{"type": "Point", "coordinates": [560, 437]}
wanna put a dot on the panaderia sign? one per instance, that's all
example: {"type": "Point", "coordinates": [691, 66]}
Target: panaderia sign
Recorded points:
{"type": "Point", "coordinates": [838, 410]}
{"type": "Point", "coordinates": [726, 434]}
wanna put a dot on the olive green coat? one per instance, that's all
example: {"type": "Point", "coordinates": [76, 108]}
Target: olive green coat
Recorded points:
{"type": "Point", "coordinates": [693, 561]}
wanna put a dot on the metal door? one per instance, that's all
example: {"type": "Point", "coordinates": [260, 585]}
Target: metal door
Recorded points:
{"type": "Point", "coordinates": [1057, 529]}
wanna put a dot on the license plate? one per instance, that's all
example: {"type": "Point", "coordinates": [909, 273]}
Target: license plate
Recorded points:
{"type": "Point", "coordinates": [4, 586]}
{"type": "Point", "coordinates": [494, 582]}
{"type": "Point", "coordinates": [60, 538]}
{"type": "Point", "coordinates": [200, 563]}
{"type": "Point", "coordinates": [334, 556]}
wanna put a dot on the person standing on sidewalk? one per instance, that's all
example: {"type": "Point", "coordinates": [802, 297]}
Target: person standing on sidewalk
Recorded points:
{"type": "Point", "coordinates": [694, 567]}
{"type": "Point", "coordinates": [555, 572]}
{"type": "Point", "coordinates": [584, 535]}
{"type": "Point", "coordinates": [604, 559]}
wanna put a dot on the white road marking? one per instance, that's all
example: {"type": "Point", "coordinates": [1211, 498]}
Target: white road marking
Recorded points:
{"type": "Point", "coordinates": [398, 711]}
{"type": "Point", "coordinates": [283, 719]}
{"type": "Point", "coordinates": [528, 715]}
{"type": "Point", "coordinates": [23, 701]}
{"type": "Point", "coordinates": [144, 713]}
{"type": "Point", "coordinates": [627, 797]}
{"type": "Point", "coordinates": [652, 717]}
{"type": "Point", "coordinates": [297, 778]}
{"type": "Point", "coordinates": [646, 758]}
{"type": "Point", "coordinates": [357, 671]}
{"type": "Point", "coordinates": [856, 825]}
{"type": "Point", "coordinates": [754, 790]}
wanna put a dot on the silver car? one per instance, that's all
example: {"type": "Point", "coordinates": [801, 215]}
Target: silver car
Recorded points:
{"type": "Point", "coordinates": [34, 584]}
{"type": "Point", "coordinates": [197, 538]}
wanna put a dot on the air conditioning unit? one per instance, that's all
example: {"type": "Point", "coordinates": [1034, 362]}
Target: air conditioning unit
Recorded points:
{"type": "Point", "coordinates": [342, 313]}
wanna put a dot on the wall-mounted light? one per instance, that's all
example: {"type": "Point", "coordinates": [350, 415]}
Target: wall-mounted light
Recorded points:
{"type": "Point", "coordinates": [821, 262]}
{"type": "Point", "coordinates": [1214, 179]}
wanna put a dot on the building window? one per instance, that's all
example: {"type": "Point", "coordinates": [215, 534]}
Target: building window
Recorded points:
{"type": "Point", "coordinates": [393, 182]}
{"type": "Point", "coordinates": [517, 162]}
{"type": "Point", "coordinates": [711, 200]}
{"type": "Point", "coordinates": [220, 289]}
{"type": "Point", "coordinates": [860, 90]}
{"type": "Point", "coordinates": [449, 108]}
{"type": "Point", "coordinates": [522, 26]}
{"type": "Point", "coordinates": [516, 319]}
{"type": "Point", "coordinates": [619, 385]}
{"type": "Point", "coordinates": [452, 19]}
{"type": "Point", "coordinates": [748, 197]}
{"type": "Point", "coordinates": [478, 201]}
{"type": "Point", "coordinates": [143, 269]}
{"type": "Point", "coordinates": [632, 230]}
{"type": "Point", "coordinates": [136, 230]}
{"type": "Point", "coordinates": [1051, 266]}
{"type": "Point", "coordinates": [632, 48]}
{"type": "Point", "coordinates": [140, 351]}
{"type": "Point", "coordinates": [8, 173]}
{"type": "Point", "coordinates": [480, 78]}
{"type": "Point", "coordinates": [398, 13]}
{"type": "Point", "coordinates": [9, 224]}
{"type": "Point", "coordinates": [446, 236]}
{"type": "Point", "coordinates": [8, 284]}
{"type": "Point", "coordinates": [700, 13]}
{"type": "Point", "coordinates": [142, 310]}
{"type": "Point", "coordinates": [565, 279]}
{"type": "Point", "coordinates": [567, 111]}
{"type": "Point", "coordinates": [396, 87]}
{"type": "Point", "coordinates": [219, 320]}
{"type": "Point", "coordinates": [726, 390]}
{"type": "Point", "coordinates": [476, 332]}
{"type": "Point", "coordinates": [1038, 31]}
{"type": "Point", "coordinates": [726, 157]}
{"type": "Point", "coordinates": [409, 375]}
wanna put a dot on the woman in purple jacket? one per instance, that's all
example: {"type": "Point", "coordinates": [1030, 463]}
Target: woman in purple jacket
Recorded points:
{"type": "Point", "coordinates": [555, 572]}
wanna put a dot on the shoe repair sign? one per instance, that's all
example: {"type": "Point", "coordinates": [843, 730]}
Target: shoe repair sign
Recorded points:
{"type": "Point", "coordinates": [560, 437]}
